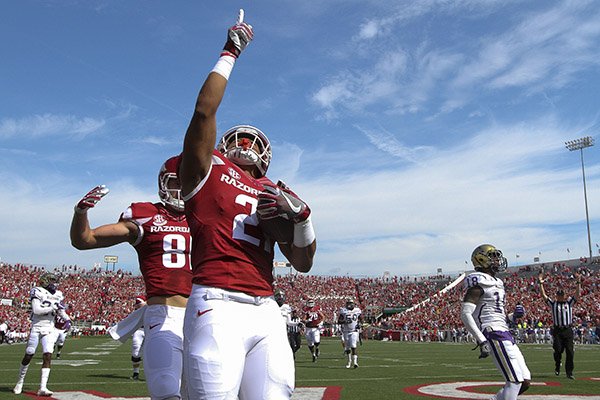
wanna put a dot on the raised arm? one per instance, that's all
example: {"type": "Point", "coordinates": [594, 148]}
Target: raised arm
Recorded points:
{"type": "Point", "coordinates": [542, 290]}
{"type": "Point", "coordinates": [83, 237]}
{"type": "Point", "coordinates": [201, 134]}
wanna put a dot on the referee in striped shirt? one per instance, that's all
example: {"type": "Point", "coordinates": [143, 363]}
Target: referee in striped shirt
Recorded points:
{"type": "Point", "coordinates": [562, 331]}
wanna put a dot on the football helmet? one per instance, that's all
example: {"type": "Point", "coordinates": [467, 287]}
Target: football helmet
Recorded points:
{"type": "Point", "coordinates": [488, 258]}
{"type": "Point", "coordinates": [169, 188]}
{"type": "Point", "coordinates": [279, 296]}
{"type": "Point", "coordinates": [310, 303]}
{"type": "Point", "coordinates": [246, 145]}
{"type": "Point", "coordinates": [350, 304]}
{"type": "Point", "coordinates": [49, 281]}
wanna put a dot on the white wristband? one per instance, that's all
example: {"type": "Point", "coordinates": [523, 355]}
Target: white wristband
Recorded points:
{"type": "Point", "coordinates": [224, 66]}
{"type": "Point", "coordinates": [304, 234]}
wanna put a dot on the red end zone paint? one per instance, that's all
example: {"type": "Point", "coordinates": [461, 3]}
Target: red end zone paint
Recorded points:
{"type": "Point", "coordinates": [332, 393]}
{"type": "Point", "coordinates": [467, 390]}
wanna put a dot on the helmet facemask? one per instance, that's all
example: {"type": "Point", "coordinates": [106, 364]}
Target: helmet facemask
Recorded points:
{"type": "Point", "coordinates": [488, 258]}
{"type": "Point", "coordinates": [49, 281]}
{"type": "Point", "coordinates": [279, 297]}
{"type": "Point", "coordinates": [246, 145]}
{"type": "Point", "coordinates": [169, 187]}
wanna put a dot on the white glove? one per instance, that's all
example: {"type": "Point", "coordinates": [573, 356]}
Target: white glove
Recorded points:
{"type": "Point", "coordinates": [238, 36]}
{"type": "Point", "coordinates": [91, 198]}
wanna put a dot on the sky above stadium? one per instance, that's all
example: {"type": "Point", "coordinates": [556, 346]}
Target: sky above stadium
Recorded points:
{"type": "Point", "coordinates": [415, 130]}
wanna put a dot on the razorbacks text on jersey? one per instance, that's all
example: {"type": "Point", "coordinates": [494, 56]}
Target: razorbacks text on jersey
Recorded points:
{"type": "Point", "coordinates": [163, 247]}
{"type": "Point", "coordinates": [348, 319]}
{"type": "Point", "coordinates": [313, 316]}
{"type": "Point", "coordinates": [230, 251]}
{"type": "Point", "coordinates": [489, 312]}
{"type": "Point", "coordinates": [46, 300]}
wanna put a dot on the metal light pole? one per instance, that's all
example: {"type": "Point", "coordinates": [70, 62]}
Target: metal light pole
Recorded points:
{"type": "Point", "coordinates": [580, 144]}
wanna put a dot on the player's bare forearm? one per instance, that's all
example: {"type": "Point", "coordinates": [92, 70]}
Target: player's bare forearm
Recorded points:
{"type": "Point", "coordinates": [301, 258]}
{"type": "Point", "coordinates": [543, 291]}
{"type": "Point", "coordinates": [201, 134]}
{"type": "Point", "coordinates": [102, 236]}
{"type": "Point", "coordinates": [80, 232]}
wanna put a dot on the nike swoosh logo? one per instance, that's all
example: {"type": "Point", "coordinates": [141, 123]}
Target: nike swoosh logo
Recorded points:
{"type": "Point", "coordinates": [201, 313]}
{"type": "Point", "coordinates": [296, 209]}
{"type": "Point", "coordinates": [153, 326]}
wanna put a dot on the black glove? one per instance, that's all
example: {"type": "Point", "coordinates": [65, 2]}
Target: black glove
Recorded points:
{"type": "Point", "coordinates": [484, 349]}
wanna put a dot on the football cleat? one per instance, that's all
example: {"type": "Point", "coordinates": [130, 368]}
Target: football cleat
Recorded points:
{"type": "Point", "coordinates": [349, 365]}
{"type": "Point", "coordinates": [135, 376]}
{"type": "Point", "coordinates": [488, 258]}
{"type": "Point", "coordinates": [355, 365]}
{"type": "Point", "coordinates": [45, 392]}
{"type": "Point", "coordinates": [18, 388]}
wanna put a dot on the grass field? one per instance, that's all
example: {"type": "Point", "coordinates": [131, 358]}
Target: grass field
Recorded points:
{"type": "Point", "coordinates": [387, 371]}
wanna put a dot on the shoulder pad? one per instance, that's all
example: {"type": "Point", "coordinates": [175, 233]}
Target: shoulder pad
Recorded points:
{"type": "Point", "coordinates": [37, 293]}
{"type": "Point", "coordinates": [480, 279]}
{"type": "Point", "coordinates": [139, 210]}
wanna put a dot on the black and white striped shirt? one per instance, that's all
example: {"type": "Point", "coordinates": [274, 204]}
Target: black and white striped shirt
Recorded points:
{"type": "Point", "coordinates": [562, 312]}
{"type": "Point", "coordinates": [295, 326]}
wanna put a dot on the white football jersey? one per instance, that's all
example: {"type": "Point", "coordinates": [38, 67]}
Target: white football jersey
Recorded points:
{"type": "Point", "coordinates": [286, 312]}
{"type": "Point", "coordinates": [348, 319]}
{"type": "Point", "coordinates": [46, 299]}
{"type": "Point", "coordinates": [489, 312]}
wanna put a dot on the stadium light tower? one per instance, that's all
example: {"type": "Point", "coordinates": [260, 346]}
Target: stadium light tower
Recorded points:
{"type": "Point", "coordinates": [580, 144]}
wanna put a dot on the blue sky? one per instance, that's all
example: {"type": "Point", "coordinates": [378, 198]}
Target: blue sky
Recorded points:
{"type": "Point", "coordinates": [415, 130]}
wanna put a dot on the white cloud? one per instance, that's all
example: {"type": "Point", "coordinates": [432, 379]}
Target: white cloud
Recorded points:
{"type": "Point", "coordinates": [49, 125]}
{"type": "Point", "coordinates": [502, 186]}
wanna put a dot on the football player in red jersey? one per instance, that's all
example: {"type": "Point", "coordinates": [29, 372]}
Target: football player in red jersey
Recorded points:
{"type": "Point", "coordinates": [313, 320]}
{"type": "Point", "coordinates": [160, 235]}
{"type": "Point", "coordinates": [235, 344]}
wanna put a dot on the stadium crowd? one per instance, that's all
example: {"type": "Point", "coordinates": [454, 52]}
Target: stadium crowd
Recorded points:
{"type": "Point", "coordinates": [396, 308]}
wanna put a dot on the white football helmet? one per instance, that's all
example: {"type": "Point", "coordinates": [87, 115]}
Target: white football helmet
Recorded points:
{"type": "Point", "coordinates": [310, 303]}
{"type": "Point", "coordinates": [169, 188]}
{"type": "Point", "coordinates": [350, 304]}
{"type": "Point", "coordinates": [246, 145]}
{"type": "Point", "coordinates": [488, 258]}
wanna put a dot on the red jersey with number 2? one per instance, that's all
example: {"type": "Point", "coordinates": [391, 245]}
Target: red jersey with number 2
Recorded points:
{"type": "Point", "coordinates": [163, 248]}
{"type": "Point", "coordinates": [230, 251]}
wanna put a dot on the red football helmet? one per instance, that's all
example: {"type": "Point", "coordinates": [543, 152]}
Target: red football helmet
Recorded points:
{"type": "Point", "coordinates": [169, 188]}
{"type": "Point", "coordinates": [246, 145]}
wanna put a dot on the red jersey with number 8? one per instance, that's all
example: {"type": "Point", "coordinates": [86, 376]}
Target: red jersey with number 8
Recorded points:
{"type": "Point", "coordinates": [163, 248]}
{"type": "Point", "coordinates": [230, 251]}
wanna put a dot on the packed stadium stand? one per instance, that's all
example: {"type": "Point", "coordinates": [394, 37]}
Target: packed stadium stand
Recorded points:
{"type": "Point", "coordinates": [421, 308]}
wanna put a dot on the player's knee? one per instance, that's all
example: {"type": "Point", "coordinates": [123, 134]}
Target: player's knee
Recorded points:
{"type": "Point", "coordinates": [136, 359]}
{"type": "Point", "coordinates": [165, 387]}
{"type": "Point", "coordinates": [347, 351]}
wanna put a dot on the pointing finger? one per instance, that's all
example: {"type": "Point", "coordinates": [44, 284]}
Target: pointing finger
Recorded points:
{"type": "Point", "coordinates": [240, 16]}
